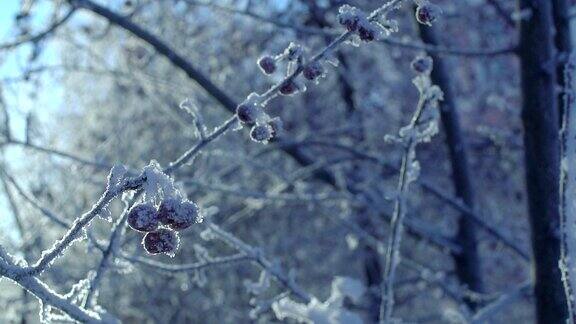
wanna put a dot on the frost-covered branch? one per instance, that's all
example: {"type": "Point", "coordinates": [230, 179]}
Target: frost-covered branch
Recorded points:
{"type": "Point", "coordinates": [120, 224]}
{"type": "Point", "coordinates": [356, 197]}
{"type": "Point", "coordinates": [211, 88]}
{"type": "Point", "coordinates": [189, 267]}
{"type": "Point", "coordinates": [47, 296]}
{"type": "Point", "coordinates": [507, 50]}
{"type": "Point", "coordinates": [113, 242]}
{"type": "Point", "coordinates": [25, 275]}
{"type": "Point", "coordinates": [74, 233]}
{"type": "Point", "coordinates": [486, 313]}
{"type": "Point", "coordinates": [421, 128]}
{"type": "Point", "coordinates": [257, 256]}
{"type": "Point", "coordinates": [327, 51]}
{"type": "Point", "coordinates": [111, 192]}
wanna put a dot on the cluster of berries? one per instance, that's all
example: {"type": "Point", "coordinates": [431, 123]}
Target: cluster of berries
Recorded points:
{"type": "Point", "coordinates": [264, 128]}
{"type": "Point", "coordinates": [294, 54]}
{"type": "Point", "coordinates": [251, 113]}
{"type": "Point", "coordinates": [162, 223]}
{"type": "Point", "coordinates": [356, 21]}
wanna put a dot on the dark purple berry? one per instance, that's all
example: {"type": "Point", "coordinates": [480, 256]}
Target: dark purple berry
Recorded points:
{"type": "Point", "coordinates": [288, 88]}
{"type": "Point", "coordinates": [422, 64]}
{"type": "Point", "coordinates": [167, 210]}
{"type": "Point", "coordinates": [143, 217]}
{"type": "Point", "coordinates": [427, 13]}
{"type": "Point", "coordinates": [163, 240]}
{"type": "Point", "coordinates": [367, 32]}
{"type": "Point", "coordinates": [351, 24]}
{"type": "Point", "coordinates": [248, 113]}
{"type": "Point", "coordinates": [313, 71]}
{"type": "Point", "coordinates": [267, 64]}
{"type": "Point", "coordinates": [178, 214]}
{"type": "Point", "coordinates": [261, 133]}
{"type": "Point", "coordinates": [349, 17]}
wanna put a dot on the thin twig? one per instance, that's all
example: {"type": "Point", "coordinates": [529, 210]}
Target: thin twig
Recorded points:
{"type": "Point", "coordinates": [393, 246]}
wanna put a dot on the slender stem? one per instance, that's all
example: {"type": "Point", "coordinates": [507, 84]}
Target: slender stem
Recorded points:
{"type": "Point", "coordinates": [393, 247]}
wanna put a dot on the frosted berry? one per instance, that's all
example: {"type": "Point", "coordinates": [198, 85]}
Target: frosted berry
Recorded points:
{"type": "Point", "coordinates": [349, 17]}
{"type": "Point", "coordinates": [277, 126]}
{"type": "Point", "coordinates": [261, 133]}
{"type": "Point", "coordinates": [248, 113]}
{"type": "Point", "coordinates": [143, 217]}
{"type": "Point", "coordinates": [422, 64]}
{"type": "Point", "coordinates": [287, 88]}
{"type": "Point", "coordinates": [267, 64]}
{"type": "Point", "coordinates": [427, 13]}
{"type": "Point", "coordinates": [312, 71]}
{"type": "Point", "coordinates": [367, 32]}
{"type": "Point", "coordinates": [351, 23]}
{"type": "Point", "coordinates": [178, 214]}
{"type": "Point", "coordinates": [163, 240]}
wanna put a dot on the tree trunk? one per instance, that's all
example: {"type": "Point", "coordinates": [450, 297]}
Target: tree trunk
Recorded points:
{"type": "Point", "coordinates": [562, 38]}
{"type": "Point", "coordinates": [467, 263]}
{"type": "Point", "coordinates": [568, 191]}
{"type": "Point", "coordinates": [542, 151]}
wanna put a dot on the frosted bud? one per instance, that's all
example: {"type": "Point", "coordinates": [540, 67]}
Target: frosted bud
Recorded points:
{"type": "Point", "coordinates": [267, 64]}
{"type": "Point", "coordinates": [248, 113]}
{"type": "Point", "coordinates": [178, 214]}
{"type": "Point", "coordinates": [261, 133]}
{"type": "Point", "coordinates": [288, 87]}
{"type": "Point", "coordinates": [349, 17]}
{"type": "Point", "coordinates": [422, 64]}
{"type": "Point", "coordinates": [367, 31]}
{"type": "Point", "coordinates": [312, 71]}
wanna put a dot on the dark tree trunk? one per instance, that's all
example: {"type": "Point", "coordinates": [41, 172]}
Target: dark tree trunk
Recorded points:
{"type": "Point", "coordinates": [542, 154]}
{"type": "Point", "coordinates": [562, 40]}
{"type": "Point", "coordinates": [468, 262]}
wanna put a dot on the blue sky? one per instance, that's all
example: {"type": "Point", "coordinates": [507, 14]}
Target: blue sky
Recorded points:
{"type": "Point", "coordinates": [7, 10]}
{"type": "Point", "coordinates": [18, 96]}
